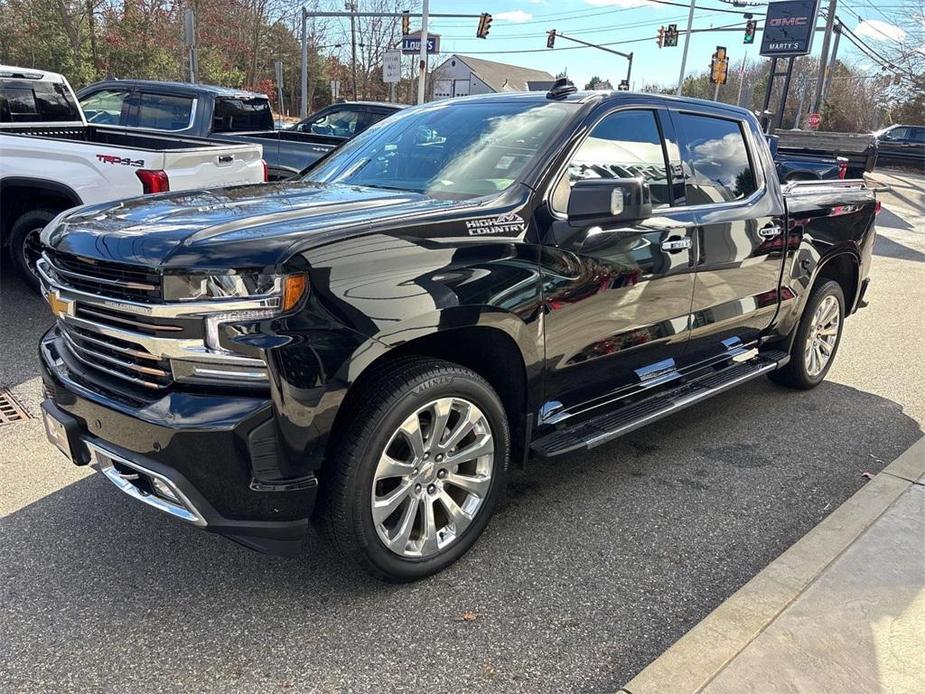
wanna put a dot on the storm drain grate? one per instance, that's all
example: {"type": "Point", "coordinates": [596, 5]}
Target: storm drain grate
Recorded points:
{"type": "Point", "coordinates": [10, 410]}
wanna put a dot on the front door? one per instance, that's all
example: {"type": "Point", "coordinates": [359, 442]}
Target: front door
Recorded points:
{"type": "Point", "coordinates": [738, 252]}
{"type": "Point", "coordinates": [617, 300]}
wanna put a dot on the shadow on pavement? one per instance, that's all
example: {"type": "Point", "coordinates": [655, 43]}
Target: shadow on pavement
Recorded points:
{"type": "Point", "coordinates": [889, 248]}
{"type": "Point", "coordinates": [593, 567]}
{"type": "Point", "coordinates": [24, 317]}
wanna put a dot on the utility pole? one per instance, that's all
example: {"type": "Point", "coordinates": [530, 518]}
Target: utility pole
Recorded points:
{"type": "Point", "coordinates": [352, 7]}
{"type": "Point", "coordinates": [422, 68]}
{"type": "Point", "coordinates": [687, 42]}
{"type": "Point", "coordinates": [303, 105]}
{"type": "Point", "coordinates": [741, 81]}
{"type": "Point", "coordinates": [189, 31]}
{"type": "Point", "coordinates": [831, 69]}
{"type": "Point", "coordinates": [824, 57]}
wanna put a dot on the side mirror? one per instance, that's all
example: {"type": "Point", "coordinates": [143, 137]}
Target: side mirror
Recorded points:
{"type": "Point", "coordinates": [609, 200]}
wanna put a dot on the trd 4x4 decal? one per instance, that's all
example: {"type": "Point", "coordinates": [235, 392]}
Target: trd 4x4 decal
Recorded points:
{"type": "Point", "coordinates": [122, 161]}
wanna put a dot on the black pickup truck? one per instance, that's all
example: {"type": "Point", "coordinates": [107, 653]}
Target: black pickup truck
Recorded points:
{"type": "Point", "coordinates": [228, 115]}
{"type": "Point", "coordinates": [462, 287]}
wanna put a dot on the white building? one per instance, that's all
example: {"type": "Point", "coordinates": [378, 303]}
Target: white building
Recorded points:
{"type": "Point", "coordinates": [462, 75]}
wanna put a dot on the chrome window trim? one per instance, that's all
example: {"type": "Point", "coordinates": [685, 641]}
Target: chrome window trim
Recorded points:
{"type": "Point", "coordinates": [759, 193]}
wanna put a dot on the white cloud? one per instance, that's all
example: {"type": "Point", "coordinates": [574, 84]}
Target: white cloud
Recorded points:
{"type": "Point", "coordinates": [880, 31]}
{"type": "Point", "coordinates": [617, 3]}
{"type": "Point", "coordinates": [514, 16]}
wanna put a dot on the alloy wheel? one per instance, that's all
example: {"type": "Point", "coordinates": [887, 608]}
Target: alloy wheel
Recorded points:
{"type": "Point", "coordinates": [822, 336]}
{"type": "Point", "coordinates": [433, 477]}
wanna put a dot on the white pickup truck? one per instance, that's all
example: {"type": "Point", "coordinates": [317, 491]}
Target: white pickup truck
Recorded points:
{"type": "Point", "coordinates": [52, 160]}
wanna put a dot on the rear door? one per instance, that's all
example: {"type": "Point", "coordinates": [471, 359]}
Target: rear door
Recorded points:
{"type": "Point", "coordinates": [738, 254]}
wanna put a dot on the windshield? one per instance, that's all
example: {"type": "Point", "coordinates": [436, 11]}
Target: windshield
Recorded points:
{"type": "Point", "coordinates": [448, 149]}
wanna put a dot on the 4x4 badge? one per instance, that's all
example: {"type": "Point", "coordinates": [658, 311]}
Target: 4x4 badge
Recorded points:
{"type": "Point", "coordinates": [509, 223]}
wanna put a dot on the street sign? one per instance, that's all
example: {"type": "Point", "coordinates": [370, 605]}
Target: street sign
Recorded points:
{"type": "Point", "coordinates": [814, 121]}
{"type": "Point", "coordinates": [391, 67]}
{"type": "Point", "coordinates": [789, 27]}
{"type": "Point", "coordinates": [411, 45]}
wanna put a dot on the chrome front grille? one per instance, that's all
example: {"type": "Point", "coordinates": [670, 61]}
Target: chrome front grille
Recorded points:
{"type": "Point", "coordinates": [116, 357]}
{"type": "Point", "coordinates": [114, 280]}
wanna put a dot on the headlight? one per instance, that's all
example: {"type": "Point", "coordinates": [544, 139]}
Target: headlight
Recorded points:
{"type": "Point", "coordinates": [232, 285]}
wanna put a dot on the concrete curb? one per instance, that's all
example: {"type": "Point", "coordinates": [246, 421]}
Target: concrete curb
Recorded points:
{"type": "Point", "coordinates": [698, 656]}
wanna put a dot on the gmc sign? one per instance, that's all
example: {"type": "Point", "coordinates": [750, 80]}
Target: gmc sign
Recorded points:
{"type": "Point", "coordinates": [789, 27]}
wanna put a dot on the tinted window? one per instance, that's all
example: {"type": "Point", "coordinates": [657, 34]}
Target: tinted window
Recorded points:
{"type": "Point", "coordinates": [105, 106]}
{"type": "Point", "coordinates": [449, 151]}
{"type": "Point", "coordinates": [240, 115]}
{"type": "Point", "coordinates": [897, 134]}
{"type": "Point", "coordinates": [716, 160]}
{"type": "Point", "coordinates": [24, 101]}
{"type": "Point", "coordinates": [623, 145]}
{"type": "Point", "coordinates": [917, 134]}
{"type": "Point", "coordinates": [163, 112]}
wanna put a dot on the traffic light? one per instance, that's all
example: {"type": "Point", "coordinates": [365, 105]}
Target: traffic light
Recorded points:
{"type": "Point", "coordinates": [671, 35]}
{"type": "Point", "coordinates": [405, 22]}
{"type": "Point", "coordinates": [661, 37]}
{"type": "Point", "coordinates": [719, 66]}
{"type": "Point", "coordinates": [750, 27]}
{"type": "Point", "coordinates": [484, 26]}
{"type": "Point", "coordinates": [551, 39]}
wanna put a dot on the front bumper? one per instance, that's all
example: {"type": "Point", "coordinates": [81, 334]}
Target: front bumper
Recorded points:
{"type": "Point", "coordinates": [200, 447]}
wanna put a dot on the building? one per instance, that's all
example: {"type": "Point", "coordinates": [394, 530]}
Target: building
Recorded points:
{"type": "Point", "coordinates": [462, 75]}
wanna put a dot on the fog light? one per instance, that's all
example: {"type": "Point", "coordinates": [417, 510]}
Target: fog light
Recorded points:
{"type": "Point", "coordinates": [162, 489]}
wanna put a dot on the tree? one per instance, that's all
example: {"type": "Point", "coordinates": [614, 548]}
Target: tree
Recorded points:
{"type": "Point", "coordinates": [597, 83]}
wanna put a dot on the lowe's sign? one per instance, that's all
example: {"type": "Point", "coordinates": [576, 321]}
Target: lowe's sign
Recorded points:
{"type": "Point", "coordinates": [789, 27]}
{"type": "Point", "coordinates": [411, 44]}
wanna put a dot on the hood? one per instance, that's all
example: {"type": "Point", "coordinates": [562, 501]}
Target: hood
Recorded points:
{"type": "Point", "coordinates": [243, 226]}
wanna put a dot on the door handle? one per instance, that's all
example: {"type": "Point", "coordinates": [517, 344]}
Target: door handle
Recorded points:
{"type": "Point", "coordinates": [673, 245]}
{"type": "Point", "coordinates": [770, 232]}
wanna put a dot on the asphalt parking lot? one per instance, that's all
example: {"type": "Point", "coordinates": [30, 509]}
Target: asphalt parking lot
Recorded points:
{"type": "Point", "coordinates": [594, 566]}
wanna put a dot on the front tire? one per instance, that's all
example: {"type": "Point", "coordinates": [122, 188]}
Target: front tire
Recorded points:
{"type": "Point", "coordinates": [25, 246]}
{"type": "Point", "coordinates": [817, 338]}
{"type": "Point", "coordinates": [417, 470]}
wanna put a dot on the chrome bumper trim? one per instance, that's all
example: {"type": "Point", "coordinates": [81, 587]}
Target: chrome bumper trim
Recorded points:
{"type": "Point", "coordinates": [102, 458]}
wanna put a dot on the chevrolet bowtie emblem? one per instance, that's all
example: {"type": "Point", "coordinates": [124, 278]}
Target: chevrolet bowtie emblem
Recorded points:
{"type": "Point", "coordinates": [60, 307]}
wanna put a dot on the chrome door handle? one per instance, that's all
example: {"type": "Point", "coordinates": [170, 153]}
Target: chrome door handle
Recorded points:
{"type": "Point", "coordinates": [671, 245]}
{"type": "Point", "coordinates": [770, 232]}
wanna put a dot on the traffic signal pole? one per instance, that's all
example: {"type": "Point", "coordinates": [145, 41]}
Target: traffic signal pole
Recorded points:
{"type": "Point", "coordinates": [687, 41]}
{"type": "Point", "coordinates": [628, 56]}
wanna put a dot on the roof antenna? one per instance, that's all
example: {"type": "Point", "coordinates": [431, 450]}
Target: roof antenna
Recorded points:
{"type": "Point", "coordinates": [561, 88]}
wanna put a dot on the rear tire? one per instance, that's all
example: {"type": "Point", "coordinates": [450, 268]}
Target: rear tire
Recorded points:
{"type": "Point", "coordinates": [25, 246]}
{"type": "Point", "coordinates": [817, 338]}
{"type": "Point", "coordinates": [390, 498]}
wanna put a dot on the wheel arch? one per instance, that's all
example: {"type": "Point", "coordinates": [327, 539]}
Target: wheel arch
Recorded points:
{"type": "Point", "coordinates": [498, 346]}
{"type": "Point", "coordinates": [29, 194]}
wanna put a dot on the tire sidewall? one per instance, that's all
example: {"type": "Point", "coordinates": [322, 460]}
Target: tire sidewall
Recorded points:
{"type": "Point", "coordinates": [26, 224]}
{"type": "Point", "coordinates": [419, 394]}
{"type": "Point", "coordinates": [830, 288]}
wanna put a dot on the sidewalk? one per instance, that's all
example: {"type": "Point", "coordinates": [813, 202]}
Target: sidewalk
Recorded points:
{"type": "Point", "coordinates": [843, 610]}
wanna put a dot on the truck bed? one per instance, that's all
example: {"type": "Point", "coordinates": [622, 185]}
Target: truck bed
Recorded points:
{"type": "Point", "coordinates": [116, 137]}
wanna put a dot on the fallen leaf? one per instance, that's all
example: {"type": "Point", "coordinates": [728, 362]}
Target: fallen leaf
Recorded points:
{"type": "Point", "coordinates": [468, 616]}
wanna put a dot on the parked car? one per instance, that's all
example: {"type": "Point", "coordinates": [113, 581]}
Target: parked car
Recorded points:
{"type": "Point", "coordinates": [53, 159]}
{"type": "Point", "coordinates": [465, 285]}
{"type": "Point", "coordinates": [901, 145]}
{"type": "Point", "coordinates": [347, 119]}
{"type": "Point", "coordinates": [201, 110]}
